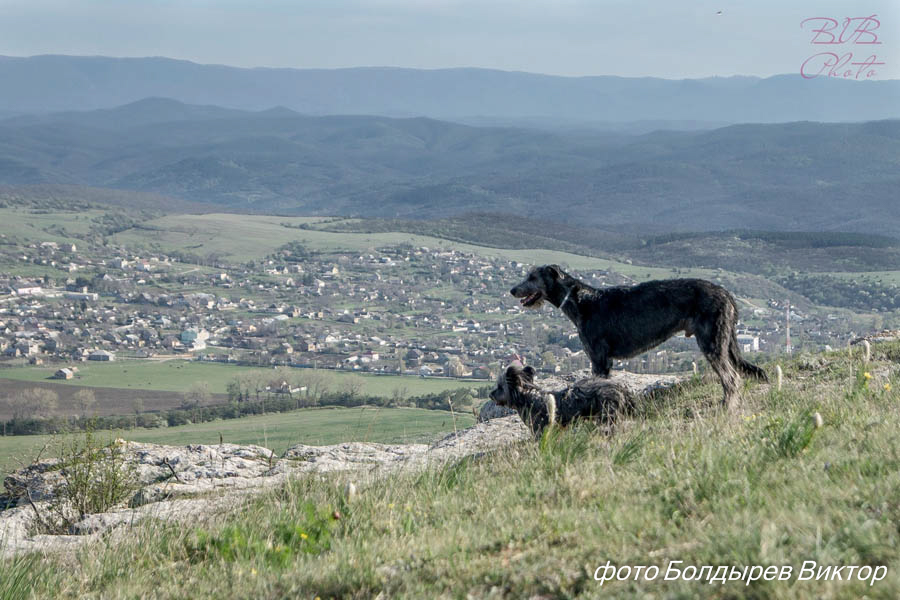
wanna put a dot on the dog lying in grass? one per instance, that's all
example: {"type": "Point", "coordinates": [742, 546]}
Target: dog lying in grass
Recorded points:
{"type": "Point", "coordinates": [590, 398]}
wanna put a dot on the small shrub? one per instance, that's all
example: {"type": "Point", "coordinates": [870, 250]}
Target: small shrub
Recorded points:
{"type": "Point", "coordinates": [276, 547]}
{"type": "Point", "coordinates": [16, 577]}
{"type": "Point", "coordinates": [569, 445]}
{"type": "Point", "coordinates": [629, 450]}
{"type": "Point", "coordinates": [95, 477]}
{"type": "Point", "coordinates": [455, 473]}
{"type": "Point", "coordinates": [787, 439]}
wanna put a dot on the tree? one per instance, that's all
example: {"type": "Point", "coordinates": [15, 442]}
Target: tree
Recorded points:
{"type": "Point", "coordinates": [398, 395]}
{"type": "Point", "coordinates": [234, 390]}
{"type": "Point", "coordinates": [351, 385]}
{"type": "Point", "coordinates": [85, 400]}
{"type": "Point", "coordinates": [316, 384]}
{"type": "Point", "coordinates": [17, 405]}
{"type": "Point", "coordinates": [549, 359]}
{"type": "Point", "coordinates": [36, 402]}
{"type": "Point", "coordinates": [455, 367]}
{"type": "Point", "coordinates": [462, 398]}
{"type": "Point", "coordinates": [255, 382]}
{"type": "Point", "coordinates": [197, 395]}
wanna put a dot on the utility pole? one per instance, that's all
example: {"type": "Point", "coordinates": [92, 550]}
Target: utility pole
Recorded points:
{"type": "Point", "coordinates": [787, 315]}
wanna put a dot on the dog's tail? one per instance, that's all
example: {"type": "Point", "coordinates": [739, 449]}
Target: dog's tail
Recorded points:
{"type": "Point", "coordinates": [746, 368]}
{"type": "Point", "coordinates": [550, 400]}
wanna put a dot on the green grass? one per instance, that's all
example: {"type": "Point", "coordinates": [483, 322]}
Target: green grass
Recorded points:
{"type": "Point", "coordinates": [246, 237]}
{"type": "Point", "coordinates": [314, 426]}
{"type": "Point", "coordinates": [29, 225]}
{"type": "Point", "coordinates": [178, 375]}
{"type": "Point", "coordinates": [886, 277]}
{"type": "Point", "coordinates": [679, 481]}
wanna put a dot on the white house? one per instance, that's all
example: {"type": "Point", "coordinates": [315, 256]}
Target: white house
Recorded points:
{"type": "Point", "coordinates": [747, 342]}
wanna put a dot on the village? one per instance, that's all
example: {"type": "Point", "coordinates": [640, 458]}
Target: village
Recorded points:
{"type": "Point", "coordinates": [407, 310]}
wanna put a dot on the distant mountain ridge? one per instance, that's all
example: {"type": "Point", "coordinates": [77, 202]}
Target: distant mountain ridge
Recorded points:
{"type": "Point", "coordinates": [60, 83]}
{"type": "Point", "coordinates": [796, 176]}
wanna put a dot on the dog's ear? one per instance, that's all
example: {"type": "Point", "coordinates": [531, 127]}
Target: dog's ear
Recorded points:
{"type": "Point", "coordinates": [512, 377]}
{"type": "Point", "coordinates": [528, 374]}
{"type": "Point", "coordinates": [554, 271]}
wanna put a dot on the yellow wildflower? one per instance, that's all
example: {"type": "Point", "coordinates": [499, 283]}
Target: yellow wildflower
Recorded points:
{"type": "Point", "coordinates": [867, 375]}
{"type": "Point", "coordinates": [887, 387]}
{"type": "Point", "coordinates": [303, 536]}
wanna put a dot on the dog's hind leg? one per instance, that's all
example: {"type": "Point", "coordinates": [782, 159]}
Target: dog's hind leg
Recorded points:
{"type": "Point", "coordinates": [729, 377]}
{"type": "Point", "coordinates": [713, 339]}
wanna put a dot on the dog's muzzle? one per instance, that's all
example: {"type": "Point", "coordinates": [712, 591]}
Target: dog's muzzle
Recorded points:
{"type": "Point", "coordinates": [531, 300]}
{"type": "Point", "coordinates": [525, 299]}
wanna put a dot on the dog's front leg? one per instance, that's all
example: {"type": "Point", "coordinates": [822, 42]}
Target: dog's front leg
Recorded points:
{"type": "Point", "coordinates": [601, 363]}
{"type": "Point", "coordinates": [601, 368]}
{"type": "Point", "coordinates": [597, 351]}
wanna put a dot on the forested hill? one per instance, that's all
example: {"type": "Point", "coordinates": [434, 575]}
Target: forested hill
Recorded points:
{"type": "Point", "coordinates": [55, 83]}
{"type": "Point", "coordinates": [795, 176]}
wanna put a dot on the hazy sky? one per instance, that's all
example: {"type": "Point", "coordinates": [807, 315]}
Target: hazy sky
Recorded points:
{"type": "Point", "coordinates": [664, 38]}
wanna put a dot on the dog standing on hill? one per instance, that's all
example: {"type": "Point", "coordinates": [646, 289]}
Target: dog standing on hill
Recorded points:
{"type": "Point", "coordinates": [590, 398]}
{"type": "Point", "coordinates": [623, 321]}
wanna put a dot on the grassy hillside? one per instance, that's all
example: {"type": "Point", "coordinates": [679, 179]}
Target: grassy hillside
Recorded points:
{"type": "Point", "coordinates": [46, 225]}
{"type": "Point", "coordinates": [246, 237]}
{"type": "Point", "coordinates": [757, 252]}
{"type": "Point", "coordinates": [678, 482]}
{"type": "Point", "coordinates": [746, 261]}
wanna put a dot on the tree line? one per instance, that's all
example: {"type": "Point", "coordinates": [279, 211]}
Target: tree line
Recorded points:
{"type": "Point", "coordinates": [34, 409]}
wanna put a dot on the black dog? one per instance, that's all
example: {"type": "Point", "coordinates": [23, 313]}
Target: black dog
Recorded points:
{"type": "Point", "coordinates": [621, 322]}
{"type": "Point", "coordinates": [590, 398]}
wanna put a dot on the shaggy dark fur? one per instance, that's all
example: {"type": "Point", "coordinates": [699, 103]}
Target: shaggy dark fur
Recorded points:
{"type": "Point", "coordinates": [591, 398]}
{"type": "Point", "coordinates": [621, 322]}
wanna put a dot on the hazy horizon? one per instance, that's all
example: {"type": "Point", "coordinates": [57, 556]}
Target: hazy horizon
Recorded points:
{"type": "Point", "coordinates": [376, 66]}
{"type": "Point", "coordinates": [571, 38]}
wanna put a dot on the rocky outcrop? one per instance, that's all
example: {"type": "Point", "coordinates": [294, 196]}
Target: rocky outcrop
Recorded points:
{"type": "Point", "coordinates": [491, 410]}
{"type": "Point", "coordinates": [351, 456]}
{"type": "Point", "coordinates": [888, 335]}
{"type": "Point", "coordinates": [187, 482]}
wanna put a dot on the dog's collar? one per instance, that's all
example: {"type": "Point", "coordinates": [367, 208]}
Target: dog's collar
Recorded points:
{"type": "Point", "coordinates": [566, 299]}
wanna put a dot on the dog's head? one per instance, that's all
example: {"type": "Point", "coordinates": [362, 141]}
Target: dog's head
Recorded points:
{"type": "Point", "coordinates": [538, 285]}
{"type": "Point", "coordinates": [515, 380]}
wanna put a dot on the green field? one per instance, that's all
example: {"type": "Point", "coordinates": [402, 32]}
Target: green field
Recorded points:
{"type": "Point", "coordinates": [179, 375]}
{"type": "Point", "coordinates": [886, 277]}
{"type": "Point", "coordinates": [249, 237]}
{"type": "Point", "coordinates": [314, 426]}
{"type": "Point", "coordinates": [32, 225]}
{"type": "Point", "coordinates": [246, 237]}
